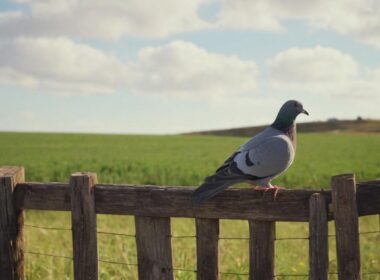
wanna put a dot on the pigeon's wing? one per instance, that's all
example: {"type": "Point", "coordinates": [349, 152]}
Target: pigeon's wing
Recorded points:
{"type": "Point", "coordinates": [225, 176]}
{"type": "Point", "coordinates": [227, 162]}
{"type": "Point", "coordinates": [265, 160]}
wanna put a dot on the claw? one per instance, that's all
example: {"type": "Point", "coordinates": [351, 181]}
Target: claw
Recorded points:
{"type": "Point", "coordinates": [266, 189]}
{"type": "Point", "coordinates": [276, 189]}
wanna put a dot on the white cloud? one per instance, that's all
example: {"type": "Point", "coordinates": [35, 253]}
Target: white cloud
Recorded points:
{"type": "Point", "coordinates": [244, 14]}
{"type": "Point", "coordinates": [8, 16]}
{"type": "Point", "coordinates": [103, 19]}
{"type": "Point", "coordinates": [357, 18]}
{"type": "Point", "coordinates": [113, 19]}
{"type": "Point", "coordinates": [312, 65]}
{"type": "Point", "coordinates": [58, 65]}
{"type": "Point", "coordinates": [61, 66]}
{"type": "Point", "coordinates": [321, 70]}
{"type": "Point", "coordinates": [10, 76]}
{"type": "Point", "coordinates": [183, 69]}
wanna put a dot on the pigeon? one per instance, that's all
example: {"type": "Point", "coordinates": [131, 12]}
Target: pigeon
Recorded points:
{"type": "Point", "coordinates": [262, 158]}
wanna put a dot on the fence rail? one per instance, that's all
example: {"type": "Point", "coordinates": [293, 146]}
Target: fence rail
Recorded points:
{"type": "Point", "coordinates": [153, 207]}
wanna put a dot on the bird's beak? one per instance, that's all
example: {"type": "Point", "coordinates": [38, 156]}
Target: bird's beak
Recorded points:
{"type": "Point", "coordinates": [304, 112]}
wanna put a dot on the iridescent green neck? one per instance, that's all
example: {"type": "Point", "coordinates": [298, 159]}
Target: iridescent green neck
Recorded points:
{"type": "Point", "coordinates": [283, 123]}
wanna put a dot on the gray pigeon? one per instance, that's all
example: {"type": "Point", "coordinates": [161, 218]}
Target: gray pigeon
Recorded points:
{"type": "Point", "coordinates": [264, 157]}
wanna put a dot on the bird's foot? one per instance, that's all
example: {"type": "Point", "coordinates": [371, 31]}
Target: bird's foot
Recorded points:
{"type": "Point", "coordinates": [276, 189]}
{"type": "Point", "coordinates": [266, 189]}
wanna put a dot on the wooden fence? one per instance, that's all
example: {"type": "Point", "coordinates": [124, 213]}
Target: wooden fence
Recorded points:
{"type": "Point", "coordinates": [153, 206]}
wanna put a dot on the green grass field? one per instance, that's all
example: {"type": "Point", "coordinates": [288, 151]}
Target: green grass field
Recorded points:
{"type": "Point", "coordinates": [179, 160]}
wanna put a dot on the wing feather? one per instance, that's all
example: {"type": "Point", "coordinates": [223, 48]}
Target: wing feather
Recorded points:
{"type": "Point", "coordinates": [262, 158]}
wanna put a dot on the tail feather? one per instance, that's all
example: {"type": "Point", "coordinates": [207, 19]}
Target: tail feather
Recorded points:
{"type": "Point", "coordinates": [211, 187]}
{"type": "Point", "coordinates": [206, 191]}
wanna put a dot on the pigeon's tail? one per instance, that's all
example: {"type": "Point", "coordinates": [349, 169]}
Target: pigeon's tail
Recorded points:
{"type": "Point", "coordinates": [211, 187]}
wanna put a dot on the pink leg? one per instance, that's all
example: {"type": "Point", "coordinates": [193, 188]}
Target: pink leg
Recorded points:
{"type": "Point", "coordinates": [261, 188]}
{"type": "Point", "coordinates": [265, 189]}
{"type": "Point", "coordinates": [276, 189]}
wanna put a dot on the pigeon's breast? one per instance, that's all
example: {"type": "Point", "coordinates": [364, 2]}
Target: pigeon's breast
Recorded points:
{"type": "Point", "coordinates": [270, 157]}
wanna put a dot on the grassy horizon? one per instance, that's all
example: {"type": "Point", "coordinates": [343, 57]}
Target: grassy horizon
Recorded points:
{"type": "Point", "coordinates": [179, 160]}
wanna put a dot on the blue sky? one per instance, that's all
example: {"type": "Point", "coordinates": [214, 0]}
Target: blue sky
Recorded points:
{"type": "Point", "coordinates": [176, 66]}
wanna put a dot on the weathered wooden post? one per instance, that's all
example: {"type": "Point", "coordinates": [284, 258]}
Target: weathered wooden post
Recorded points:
{"type": "Point", "coordinates": [11, 225]}
{"type": "Point", "coordinates": [261, 250]}
{"type": "Point", "coordinates": [346, 226]}
{"type": "Point", "coordinates": [154, 250]}
{"type": "Point", "coordinates": [318, 242]}
{"type": "Point", "coordinates": [83, 217]}
{"type": "Point", "coordinates": [207, 249]}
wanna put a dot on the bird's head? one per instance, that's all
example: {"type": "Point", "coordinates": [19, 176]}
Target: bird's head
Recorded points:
{"type": "Point", "coordinates": [288, 113]}
{"type": "Point", "coordinates": [292, 108]}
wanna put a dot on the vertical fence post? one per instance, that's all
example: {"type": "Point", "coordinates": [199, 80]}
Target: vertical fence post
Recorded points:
{"type": "Point", "coordinates": [83, 217]}
{"type": "Point", "coordinates": [318, 243]}
{"type": "Point", "coordinates": [261, 250]}
{"type": "Point", "coordinates": [11, 225]}
{"type": "Point", "coordinates": [154, 250]}
{"type": "Point", "coordinates": [346, 226]}
{"type": "Point", "coordinates": [207, 249]}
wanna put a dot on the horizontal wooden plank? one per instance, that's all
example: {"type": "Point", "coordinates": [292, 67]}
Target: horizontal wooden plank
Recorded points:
{"type": "Point", "coordinates": [370, 182]}
{"type": "Point", "coordinates": [289, 205]}
{"type": "Point", "coordinates": [234, 203]}
{"type": "Point", "coordinates": [368, 198]}
{"type": "Point", "coordinates": [43, 196]}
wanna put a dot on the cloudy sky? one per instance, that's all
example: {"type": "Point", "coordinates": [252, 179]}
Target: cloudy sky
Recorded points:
{"type": "Point", "coordinates": [172, 66]}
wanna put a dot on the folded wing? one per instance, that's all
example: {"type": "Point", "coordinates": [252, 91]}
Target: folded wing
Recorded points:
{"type": "Point", "coordinates": [265, 160]}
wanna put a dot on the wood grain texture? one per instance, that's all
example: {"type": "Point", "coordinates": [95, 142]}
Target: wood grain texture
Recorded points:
{"type": "Point", "coordinates": [207, 231]}
{"type": "Point", "coordinates": [346, 226]}
{"type": "Point", "coordinates": [154, 250]}
{"type": "Point", "coordinates": [231, 204]}
{"type": "Point", "coordinates": [290, 205]}
{"type": "Point", "coordinates": [17, 172]}
{"type": "Point", "coordinates": [83, 219]}
{"type": "Point", "coordinates": [11, 225]}
{"type": "Point", "coordinates": [43, 196]}
{"type": "Point", "coordinates": [318, 246]}
{"type": "Point", "coordinates": [261, 250]}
